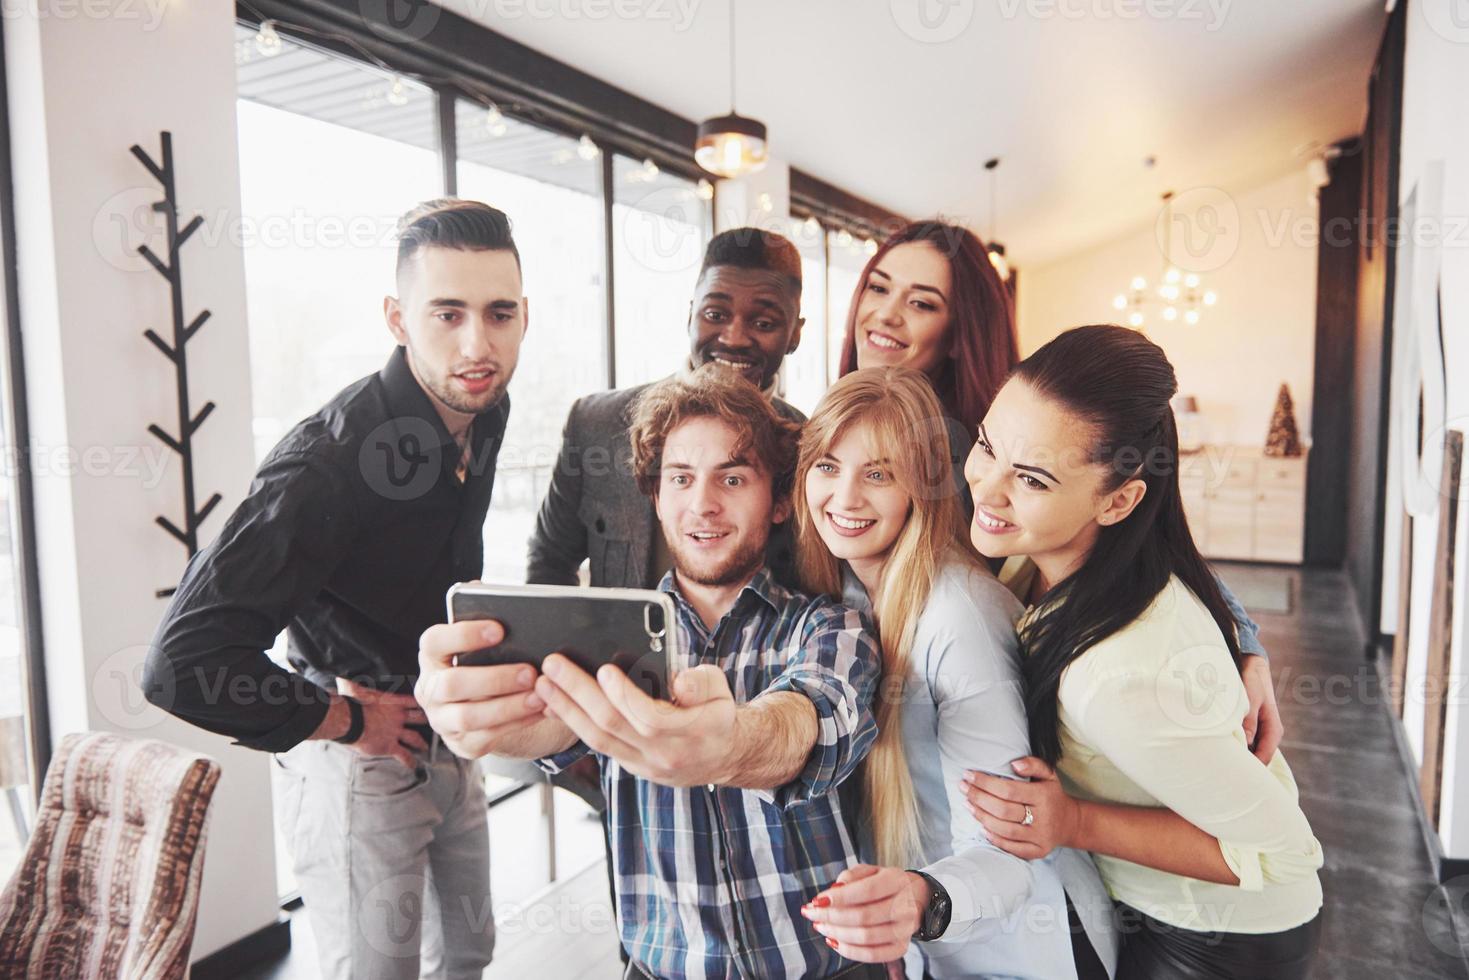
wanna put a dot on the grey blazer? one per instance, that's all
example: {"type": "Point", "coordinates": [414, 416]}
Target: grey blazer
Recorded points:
{"type": "Point", "coordinates": [594, 510]}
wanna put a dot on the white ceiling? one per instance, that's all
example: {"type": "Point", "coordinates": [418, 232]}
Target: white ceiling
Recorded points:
{"type": "Point", "coordinates": [1071, 94]}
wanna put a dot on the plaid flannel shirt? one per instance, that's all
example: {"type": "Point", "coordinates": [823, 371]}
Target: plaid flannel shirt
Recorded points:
{"type": "Point", "coordinates": [710, 880]}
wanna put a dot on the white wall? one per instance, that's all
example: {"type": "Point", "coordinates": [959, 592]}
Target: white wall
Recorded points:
{"type": "Point", "coordinates": [1435, 105]}
{"type": "Point", "coordinates": [86, 82]}
{"type": "Point", "coordinates": [1257, 249]}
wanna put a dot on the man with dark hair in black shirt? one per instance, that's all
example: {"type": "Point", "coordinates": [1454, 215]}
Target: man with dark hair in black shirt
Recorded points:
{"type": "Point", "coordinates": [354, 527]}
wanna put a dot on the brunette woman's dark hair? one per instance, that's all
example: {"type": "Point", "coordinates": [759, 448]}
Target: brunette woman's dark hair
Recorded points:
{"type": "Point", "coordinates": [982, 344]}
{"type": "Point", "coordinates": [1119, 384]}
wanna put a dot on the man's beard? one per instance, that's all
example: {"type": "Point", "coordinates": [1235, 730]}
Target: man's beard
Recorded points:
{"type": "Point", "coordinates": [443, 389]}
{"type": "Point", "coordinates": [735, 569]}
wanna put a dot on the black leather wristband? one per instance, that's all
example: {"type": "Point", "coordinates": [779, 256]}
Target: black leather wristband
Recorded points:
{"type": "Point", "coordinates": [935, 919]}
{"type": "Point", "coordinates": [354, 727]}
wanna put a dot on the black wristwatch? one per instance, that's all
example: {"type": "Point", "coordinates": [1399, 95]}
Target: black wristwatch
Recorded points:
{"type": "Point", "coordinates": [354, 726]}
{"type": "Point", "coordinates": [936, 916]}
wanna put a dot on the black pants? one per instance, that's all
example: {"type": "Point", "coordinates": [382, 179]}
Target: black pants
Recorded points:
{"type": "Point", "coordinates": [1154, 950]}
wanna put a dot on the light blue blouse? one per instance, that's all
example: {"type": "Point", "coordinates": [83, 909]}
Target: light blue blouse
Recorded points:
{"type": "Point", "coordinates": [963, 709]}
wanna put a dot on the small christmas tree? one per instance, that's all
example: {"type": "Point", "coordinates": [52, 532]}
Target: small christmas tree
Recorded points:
{"type": "Point", "coordinates": [1284, 439]}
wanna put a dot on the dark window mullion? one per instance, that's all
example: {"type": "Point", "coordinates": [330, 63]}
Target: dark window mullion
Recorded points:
{"type": "Point", "coordinates": [608, 259]}
{"type": "Point", "coordinates": [448, 141]}
{"type": "Point", "coordinates": [17, 434]}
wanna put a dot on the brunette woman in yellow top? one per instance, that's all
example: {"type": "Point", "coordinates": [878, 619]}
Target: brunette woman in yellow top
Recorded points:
{"type": "Point", "coordinates": [1131, 663]}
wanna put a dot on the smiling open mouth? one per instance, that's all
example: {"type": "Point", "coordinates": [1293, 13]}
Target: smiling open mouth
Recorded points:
{"type": "Point", "coordinates": [736, 363]}
{"type": "Point", "coordinates": [851, 524]}
{"type": "Point", "coordinates": [885, 342]}
{"type": "Point", "coordinates": [990, 522]}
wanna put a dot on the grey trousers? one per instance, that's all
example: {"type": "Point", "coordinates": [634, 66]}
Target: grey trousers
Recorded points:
{"type": "Point", "coordinates": [393, 863]}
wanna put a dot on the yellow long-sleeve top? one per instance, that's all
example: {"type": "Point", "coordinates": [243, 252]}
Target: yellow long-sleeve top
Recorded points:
{"type": "Point", "coordinates": [1152, 716]}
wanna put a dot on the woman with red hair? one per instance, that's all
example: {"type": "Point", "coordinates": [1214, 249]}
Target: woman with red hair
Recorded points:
{"type": "Point", "coordinates": [929, 299]}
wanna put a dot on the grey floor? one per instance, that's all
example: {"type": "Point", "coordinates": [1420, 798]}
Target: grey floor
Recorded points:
{"type": "Point", "coordinates": [1385, 916]}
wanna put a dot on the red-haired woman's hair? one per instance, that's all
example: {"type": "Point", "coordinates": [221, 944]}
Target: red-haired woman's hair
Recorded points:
{"type": "Point", "coordinates": [982, 344]}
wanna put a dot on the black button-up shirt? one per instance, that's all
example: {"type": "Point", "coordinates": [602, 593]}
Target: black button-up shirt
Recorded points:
{"type": "Point", "coordinates": [354, 528]}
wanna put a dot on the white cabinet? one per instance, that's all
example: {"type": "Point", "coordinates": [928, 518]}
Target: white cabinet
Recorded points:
{"type": "Point", "coordinates": [1244, 505]}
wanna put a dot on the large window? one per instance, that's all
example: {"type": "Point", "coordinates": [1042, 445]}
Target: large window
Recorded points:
{"type": "Point", "coordinates": [17, 721]}
{"type": "Point", "coordinates": [805, 371]}
{"type": "Point", "coordinates": [551, 187]}
{"type": "Point", "coordinates": [660, 224]}
{"type": "Point", "coordinates": [846, 257]}
{"type": "Point", "coordinates": [331, 153]}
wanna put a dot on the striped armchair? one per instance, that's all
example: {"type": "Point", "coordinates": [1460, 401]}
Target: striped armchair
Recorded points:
{"type": "Point", "coordinates": [109, 886]}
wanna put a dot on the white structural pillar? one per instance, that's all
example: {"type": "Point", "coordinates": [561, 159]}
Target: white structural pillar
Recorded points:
{"type": "Point", "coordinates": [87, 81]}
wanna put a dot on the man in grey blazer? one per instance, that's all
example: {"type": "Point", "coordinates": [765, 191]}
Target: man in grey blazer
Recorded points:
{"type": "Point", "coordinates": [746, 315]}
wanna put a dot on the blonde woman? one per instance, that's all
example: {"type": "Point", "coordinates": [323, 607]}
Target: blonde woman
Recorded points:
{"type": "Point", "coordinates": [875, 524]}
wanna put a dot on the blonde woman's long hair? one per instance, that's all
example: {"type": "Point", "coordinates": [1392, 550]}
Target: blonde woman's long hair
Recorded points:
{"type": "Point", "coordinates": [903, 423]}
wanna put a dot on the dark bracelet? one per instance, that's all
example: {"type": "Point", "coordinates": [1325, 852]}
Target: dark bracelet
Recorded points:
{"type": "Point", "coordinates": [354, 727]}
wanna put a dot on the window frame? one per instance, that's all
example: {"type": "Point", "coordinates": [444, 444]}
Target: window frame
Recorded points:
{"type": "Point", "coordinates": [16, 433]}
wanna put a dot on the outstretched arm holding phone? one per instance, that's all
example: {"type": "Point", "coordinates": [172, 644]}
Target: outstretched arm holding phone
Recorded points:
{"type": "Point", "coordinates": [512, 710]}
{"type": "Point", "coordinates": [703, 739]}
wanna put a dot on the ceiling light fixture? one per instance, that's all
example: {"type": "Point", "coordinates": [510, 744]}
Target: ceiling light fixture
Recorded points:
{"type": "Point", "coordinates": [1180, 294]}
{"type": "Point", "coordinates": [732, 145]}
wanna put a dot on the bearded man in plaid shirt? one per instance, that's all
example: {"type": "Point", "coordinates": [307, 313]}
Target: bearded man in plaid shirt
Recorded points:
{"type": "Point", "coordinates": [725, 819]}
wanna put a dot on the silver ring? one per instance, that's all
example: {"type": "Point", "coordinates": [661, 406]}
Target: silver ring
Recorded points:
{"type": "Point", "coordinates": [1029, 818]}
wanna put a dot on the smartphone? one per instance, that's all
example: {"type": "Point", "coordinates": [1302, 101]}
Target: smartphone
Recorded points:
{"type": "Point", "coordinates": [633, 629]}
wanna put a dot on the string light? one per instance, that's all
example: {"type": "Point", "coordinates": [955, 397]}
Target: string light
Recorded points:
{"type": "Point", "coordinates": [650, 170]}
{"type": "Point", "coordinates": [704, 190]}
{"type": "Point", "coordinates": [869, 246]}
{"type": "Point", "coordinates": [495, 121]}
{"type": "Point", "coordinates": [397, 94]}
{"type": "Point", "coordinates": [267, 41]}
{"type": "Point", "coordinates": [586, 149]}
{"type": "Point", "coordinates": [813, 227]}
{"type": "Point", "coordinates": [766, 204]}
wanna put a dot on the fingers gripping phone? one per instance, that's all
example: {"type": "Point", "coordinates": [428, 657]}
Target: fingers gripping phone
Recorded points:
{"type": "Point", "coordinates": [633, 629]}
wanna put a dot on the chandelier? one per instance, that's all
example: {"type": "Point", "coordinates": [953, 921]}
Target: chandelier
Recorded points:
{"type": "Point", "coordinates": [1179, 294]}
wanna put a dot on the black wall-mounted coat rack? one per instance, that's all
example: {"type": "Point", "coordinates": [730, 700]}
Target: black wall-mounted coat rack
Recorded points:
{"type": "Point", "coordinates": [188, 423]}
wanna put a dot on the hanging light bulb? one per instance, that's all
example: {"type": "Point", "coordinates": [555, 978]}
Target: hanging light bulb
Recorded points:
{"type": "Point", "coordinates": [267, 41]}
{"type": "Point", "coordinates": [1136, 319]}
{"type": "Point", "coordinates": [731, 145]}
{"type": "Point", "coordinates": [812, 227]}
{"type": "Point", "coordinates": [650, 170]}
{"type": "Point", "coordinates": [397, 93]}
{"type": "Point", "coordinates": [869, 246]}
{"type": "Point", "coordinates": [1170, 314]}
{"type": "Point", "coordinates": [997, 259]}
{"type": "Point", "coordinates": [1171, 275]}
{"type": "Point", "coordinates": [1139, 283]}
{"type": "Point", "coordinates": [1191, 316]}
{"type": "Point", "coordinates": [1210, 298]}
{"type": "Point", "coordinates": [1191, 280]}
{"type": "Point", "coordinates": [495, 122]}
{"type": "Point", "coordinates": [1119, 302]}
{"type": "Point", "coordinates": [844, 239]}
{"type": "Point", "coordinates": [767, 204]}
{"type": "Point", "coordinates": [704, 190]}
{"type": "Point", "coordinates": [586, 149]}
